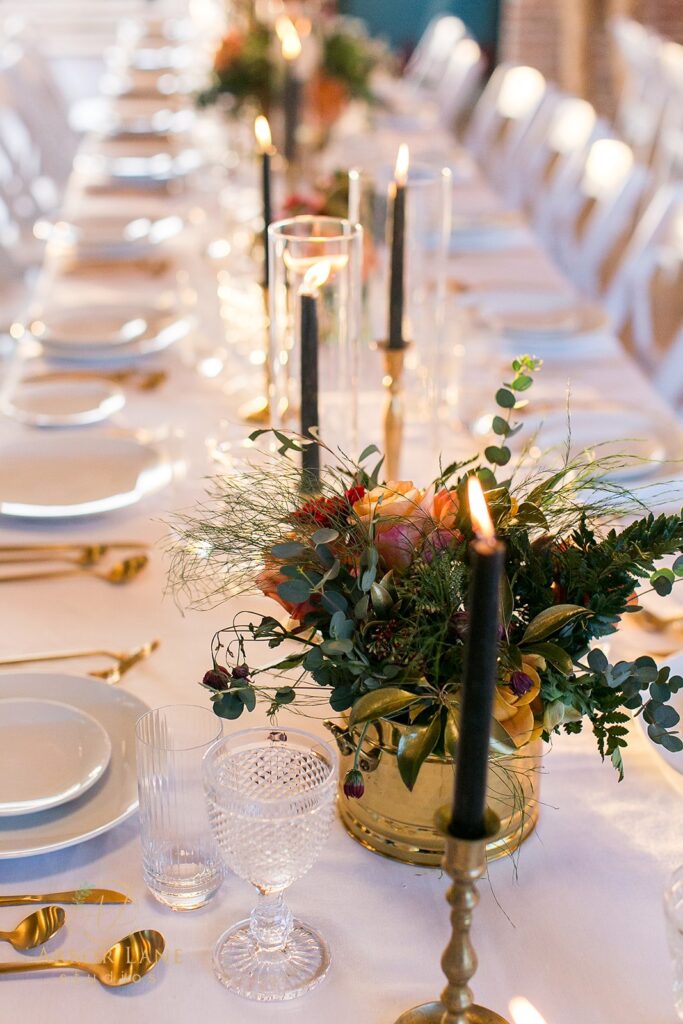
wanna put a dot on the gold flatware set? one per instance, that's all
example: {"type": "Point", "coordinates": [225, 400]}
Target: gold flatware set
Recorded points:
{"type": "Point", "coordinates": [83, 559]}
{"type": "Point", "coordinates": [125, 660]}
{"type": "Point", "coordinates": [143, 380]}
{"type": "Point", "coordinates": [126, 962]}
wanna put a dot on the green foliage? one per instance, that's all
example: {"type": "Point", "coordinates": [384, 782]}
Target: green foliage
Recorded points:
{"type": "Point", "coordinates": [379, 630]}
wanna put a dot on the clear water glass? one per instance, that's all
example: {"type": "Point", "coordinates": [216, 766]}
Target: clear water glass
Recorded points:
{"type": "Point", "coordinates": [182, 865]}
{"type": "Point", "coordinates": [673, 905]}
{"type": "Point", "coordinates": [271, 800]}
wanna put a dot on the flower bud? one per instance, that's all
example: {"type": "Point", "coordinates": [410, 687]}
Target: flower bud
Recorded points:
{"type": "Point", "coordinates": [354, 787]}
{"type": "Point", "coordinates": [241, 671]}
{"type": "Point", "coordinates": [216, 678]}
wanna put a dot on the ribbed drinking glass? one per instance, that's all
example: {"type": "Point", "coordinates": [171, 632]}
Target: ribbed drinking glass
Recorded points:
{"type": "Point", "coordinates": [181, 862]}
{"type": "Point", "coordinates": [271, 803]}
{"type": "Point", "coordinates": [673, 905]}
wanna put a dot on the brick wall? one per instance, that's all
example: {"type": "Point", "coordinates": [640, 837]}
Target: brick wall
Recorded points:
{"type": "Point", "coordinates": [567, 39]}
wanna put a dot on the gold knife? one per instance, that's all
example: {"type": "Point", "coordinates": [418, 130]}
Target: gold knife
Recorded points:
{"type": "Point", "coordinates": [75, 896]}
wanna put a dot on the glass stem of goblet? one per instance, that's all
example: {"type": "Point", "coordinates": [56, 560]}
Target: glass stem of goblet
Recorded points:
{"type": "Point", "coordinates": [271, 921]}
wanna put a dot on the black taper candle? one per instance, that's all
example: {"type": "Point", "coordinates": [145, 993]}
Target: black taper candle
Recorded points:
{"type": "Point", "coordinates": [310, 456]}
{"type": "Point", "coordinates": [397, 209]}
{"type": "Point", "coordinates": [267, 214]}
{"type": "Point", "coordinates": [487, 560]}
{"type": "Point", "coordinates": [291, 101]}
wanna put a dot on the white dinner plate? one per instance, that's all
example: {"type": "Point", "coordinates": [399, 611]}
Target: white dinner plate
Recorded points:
{"type": "Point", "coordinates": [109, 237]}
{"type": "Point", "coordinates": [139, 171]}
{"type": "Point", "coordinates": [49, 476]}
{"type": "Point", "coordinates": [50, 753]}
{"type": "Point", "coordinates": [604, 433]}
{"type": "Point", "coordinates": [87, 327]}
{"type": "Point", "coordinates": [169, 331]}
{"type": "Point", "coordinates": [535, 314]}
{"type": "Point", "coordinates": [63, 403]}
{"type": "Point", "coordinates": [112, 799]}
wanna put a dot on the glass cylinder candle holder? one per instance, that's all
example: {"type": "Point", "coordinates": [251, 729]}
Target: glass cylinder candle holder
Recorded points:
{"type": "Point", "coordinates": [426, 231]}
{"type": "Point", "coordinates": [315, 304]}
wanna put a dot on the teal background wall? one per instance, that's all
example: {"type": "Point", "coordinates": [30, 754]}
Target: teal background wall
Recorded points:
{"type": "Point", "coordinates": [401, 22]}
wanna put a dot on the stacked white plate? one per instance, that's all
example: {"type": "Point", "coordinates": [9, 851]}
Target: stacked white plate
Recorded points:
{"type": "Point", "coordinates": [548, 323]}
{"type": "Point", "coordinates": [107, 334]}
{"type": "Point", "coordinates": [110, 238]}
{"type": "Point", "coordinates": [489, 233]}
{"type": "Point", "coordinates": [70, 476]}
{"type": "Point", "coordinates": [67, 760]}
{"type": "Point", "coordinates": [153, 172]}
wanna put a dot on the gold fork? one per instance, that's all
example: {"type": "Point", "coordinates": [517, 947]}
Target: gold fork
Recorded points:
{"type": "Point", "coordinates": [125, 660]}
{"type": "Point", "coordinates": [74, 554]}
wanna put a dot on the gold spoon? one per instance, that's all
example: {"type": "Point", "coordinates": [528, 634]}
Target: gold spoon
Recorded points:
{"type": "Point", "coordinates": [122, 572]}
{"type": "Point", "coordinates": [126, 962]}
{"type": "Point", "coordinates": [114, 674]}
{"type": "Point", "coordinates": [35, 929]}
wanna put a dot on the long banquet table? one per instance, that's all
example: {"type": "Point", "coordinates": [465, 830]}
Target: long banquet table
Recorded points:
{"type": "Point", "coordinates": [574, 922]}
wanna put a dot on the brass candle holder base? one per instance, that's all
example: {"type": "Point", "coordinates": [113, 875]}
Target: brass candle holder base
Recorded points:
{"type": "Point", "coordinates": [432, 1013]}
{"type": "Point", "coordinates": [394, 408]}
{"type": "Point", "coordinates": [465, 862]}
{"type": "Point", "coordinates": [257, 410]}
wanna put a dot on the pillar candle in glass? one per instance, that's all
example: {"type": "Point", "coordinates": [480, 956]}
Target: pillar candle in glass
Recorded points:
{"type": "Point", "coordinates": [487, 561]}
{"type": "Point", "coordinates": [301, 249]}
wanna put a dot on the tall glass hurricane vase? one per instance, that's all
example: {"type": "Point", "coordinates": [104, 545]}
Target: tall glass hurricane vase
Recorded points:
{"type": "Point", "coordinates": [315, 307]}
{"type": "Point", "coordinates": [271, 803]}
{"type": "Point", "coordinates": [181, 861]}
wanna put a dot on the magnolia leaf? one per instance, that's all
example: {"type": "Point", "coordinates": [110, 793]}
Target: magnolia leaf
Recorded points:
{"type": "Point", "coordinates": [381, 704]}
{"type": "Point", "coordinates": [371, 449]}
{"type": "Point", "coordinates": [499, 741]}
{"type": "Point", "coordinates": [556, 655]}
{"type": "Point", "coordinates": [531, 515]}
{"type": "Point", "coordinates": [507, 600]}
{"type": "Point", "coordinates": [381, 598]}
{"type": "Point", "coordinates": [550, 620]}
{"type": "Point", "coordinates": [452, 731]}
{"type": "Point", "coordinates": [414, 747]}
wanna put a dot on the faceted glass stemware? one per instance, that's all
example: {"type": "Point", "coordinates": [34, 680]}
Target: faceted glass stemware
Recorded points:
{"type": "Point", "coordinates": [271, 799]}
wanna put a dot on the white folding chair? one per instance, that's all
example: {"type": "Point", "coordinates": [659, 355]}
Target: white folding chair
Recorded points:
{"type": "Point", "coordinates": [428, 62]}
{"type": "Point", "coordinates": [461, 80]}
{"type": "Point", "coordinates": [668, 153]}
{"type": "Point", "coordinates": [506, 108]}
{"type": "Point", "coordinates": [598, 210]}
{"type": "Point", "coordinates": [642, 94]}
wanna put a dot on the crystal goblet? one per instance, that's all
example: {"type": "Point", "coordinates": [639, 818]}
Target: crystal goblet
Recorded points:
{"type": "Point", "coordinates": [271, 798]}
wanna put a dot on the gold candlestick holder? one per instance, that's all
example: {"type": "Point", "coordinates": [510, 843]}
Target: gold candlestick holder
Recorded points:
{"type": "Point", "coordinates": [257, 410]}
{"type": "Point", "coordinates": [465, 862]}
{"type": "Point", "coordinates": [394, 407]}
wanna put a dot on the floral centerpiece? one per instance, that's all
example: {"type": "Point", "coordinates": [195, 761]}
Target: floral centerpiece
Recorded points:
{"type": "Point", "coordinates": [372, 576]}
{"type": "Point", "coordinates": [247, 68]}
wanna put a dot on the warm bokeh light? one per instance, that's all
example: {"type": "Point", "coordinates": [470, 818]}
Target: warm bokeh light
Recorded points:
{"type": "Point", "coordinates": [520, 92]}
{"type": "Point", "coordinates": [289, 37]}
{"type": "Point", "coordinates": [479, 510]}
{"type": "Point", "coordinates": [402, 164]}
{"type": "Point", "coordinates": [315, 277]}
{"type": "Point", "coordinates": [262, 133]}
{"type": "Point", "coordinates": [523, 1012]}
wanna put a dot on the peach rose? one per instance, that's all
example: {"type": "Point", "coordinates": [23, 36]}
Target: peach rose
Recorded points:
{"type": "Point", "coordinates": [268, 581]}
{"type": "Point", "coordinates": [445, 507]}
{"type": "Point", "coordinates": [514, 699]}
{"type": "Point", "coordinates": [399, 516]}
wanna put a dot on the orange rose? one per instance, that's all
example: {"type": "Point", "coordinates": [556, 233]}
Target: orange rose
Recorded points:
{"type": "Point", "coordinates": [445, 507]}
{"type": "Point", "coordinates": [269, 579]}
{"type": "Point", "coordinates": [399, 517]}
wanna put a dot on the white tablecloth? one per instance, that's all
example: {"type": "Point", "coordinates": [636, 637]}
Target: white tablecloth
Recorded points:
{"type": "Point", "coordinates": [574, 923]}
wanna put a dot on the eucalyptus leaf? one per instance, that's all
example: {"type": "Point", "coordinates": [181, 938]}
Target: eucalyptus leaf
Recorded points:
{"type": "Point", "coordinates": [325, 536]}
{"type": "Point", "coordinates": [288, 549]}
{"type": "Point", "coordinates": [294, 591]}
{"type": "Point", "coordinates": [505, 398]}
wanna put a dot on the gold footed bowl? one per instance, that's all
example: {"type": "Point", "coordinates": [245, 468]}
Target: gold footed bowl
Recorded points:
{"type": "Point", "coordinates": [391, 820]}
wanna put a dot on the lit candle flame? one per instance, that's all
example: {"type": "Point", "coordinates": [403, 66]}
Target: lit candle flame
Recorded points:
{"type": "Point", "coordinates": [262, 133]}
{"type": "Point", "coordinates": [315, 277]}
{"type": "Point", "coordinates": [402, 164]}
{"type": "Point", "coordinates": [289, 37]}
{"type": "Point", "coordinates": [523, 1012]}
{"type": "Point", "coordinates": [479, 511]}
